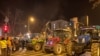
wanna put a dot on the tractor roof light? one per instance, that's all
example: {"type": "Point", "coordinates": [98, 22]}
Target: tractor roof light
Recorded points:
{"type": "Point", "coordinates": [75, 35]}
{"type": "Point", "coordinates": [28, 35]}
{"type": "Point", "coordinates": [99, 34]}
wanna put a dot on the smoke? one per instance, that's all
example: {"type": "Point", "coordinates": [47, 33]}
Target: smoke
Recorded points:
{"type": "Point", "coordinates": [48, 9]}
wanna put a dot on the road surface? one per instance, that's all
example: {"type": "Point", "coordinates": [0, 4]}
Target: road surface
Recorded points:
{"type": "Point", "coordinates": [40, 53]}
{"type": "Point", "coordinates": [33, 53]}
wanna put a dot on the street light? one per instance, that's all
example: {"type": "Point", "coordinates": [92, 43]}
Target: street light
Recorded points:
{"type": "Point", "coordinates": [30, 19]}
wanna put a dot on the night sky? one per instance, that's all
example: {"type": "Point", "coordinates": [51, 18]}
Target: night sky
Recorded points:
{"type": "Point", "coordinates": [45, 10]}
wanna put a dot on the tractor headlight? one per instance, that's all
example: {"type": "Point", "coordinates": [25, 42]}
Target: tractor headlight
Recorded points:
{"type": "Point", "coordinates": [51, 42]}
{"type": "Point", "coordinates": [47, 43]}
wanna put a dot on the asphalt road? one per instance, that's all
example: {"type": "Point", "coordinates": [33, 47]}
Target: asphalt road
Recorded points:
{"type": "Point", "coordinates": [40, 53]}
{"type": "Point", "coordinates": [33, 53]}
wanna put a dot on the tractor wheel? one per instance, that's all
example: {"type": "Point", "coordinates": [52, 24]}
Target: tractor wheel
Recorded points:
{"type": "Point", "coordinates": [44, 50]}
{"type": "Point", "coordinates": [95, 49]}
{"type": "Point", "coordinates": [37, 47]}
{"type": "Point", "coordinates": [29, 46]}
{"type": "Point", "coordinates": [58, 49]}
{"type": "Point", "coordinates": [69, 48]}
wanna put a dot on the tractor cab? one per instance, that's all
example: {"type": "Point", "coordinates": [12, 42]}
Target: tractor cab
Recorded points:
{"type": "Point", "coordinates": [62, 34]}
{"type": "Point", "coordinates": [59, 35]}
{"type": "Point", "coordinates": [83, 40]}
{"type": "Point", "coordinates": [85, 34]}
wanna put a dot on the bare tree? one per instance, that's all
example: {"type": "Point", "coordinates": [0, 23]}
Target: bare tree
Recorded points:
{"type": "Point", "coordinates": [14, 17]}
{"type": "Point", "coordinates": [95, 3]}
{"type": "Point", "coordinates": [17, 21]}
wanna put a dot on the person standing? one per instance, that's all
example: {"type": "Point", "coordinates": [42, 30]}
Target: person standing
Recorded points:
{"type": "Point", "coordinates": [9, 46]}
{"type": "Point", "coordinates": [3, 45]}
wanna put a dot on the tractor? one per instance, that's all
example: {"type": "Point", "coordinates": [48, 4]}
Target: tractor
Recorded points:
{"type": "Point", "coordinates": [95, 46]}
{"type": "Point", "coordinates": [36, 42]}
{"type": "Point", "coordinates": [88, 40]}
{"type": "Point", "coordinates": [59, 42]}
{"type": "Point", "coordinates": [83, 40]}
{"type": "Point", "coordinates": [65, 40]}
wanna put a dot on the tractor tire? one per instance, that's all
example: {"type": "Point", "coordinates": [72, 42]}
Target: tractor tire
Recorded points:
{"type": "Point", "coordinates": [69, 48]}
{"type": "Point", "coordinates": [29, 46]}
{"type": "Point", "coordinates": [95, 49]}
{"type": "Point", "coordinates": [58, 49]}
{"type": "Point", "coordinates": [44, 50]}
{"type": "Point", "coordinates": [37, 47]}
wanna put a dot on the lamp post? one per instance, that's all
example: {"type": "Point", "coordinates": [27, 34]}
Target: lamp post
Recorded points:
{"type": "Point", "coordinates": [87, 20]}
{"type": "Point", "coordinates": [31, 19]}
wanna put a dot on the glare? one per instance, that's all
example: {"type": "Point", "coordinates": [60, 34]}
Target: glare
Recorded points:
{"type": "Point", "coordinates": [75, 35]}
{"type": "Point", "coordinates": [31, 19]}
{"type": "Point", "coordinates": [28, 35]}
{"type": "Point", "coordinates": [25, 26]}
{"type": "Point", "coordinates": [98, 51]}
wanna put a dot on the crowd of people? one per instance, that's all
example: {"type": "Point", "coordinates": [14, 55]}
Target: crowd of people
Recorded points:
{"type": "Point", "coordinates": [6, 45]}
{"type": "Point", "coordinates": [9, 44]}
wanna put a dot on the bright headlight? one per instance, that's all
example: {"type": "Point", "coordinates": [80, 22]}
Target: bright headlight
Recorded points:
{"type": "Point", "coordinates": [51, 42]}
